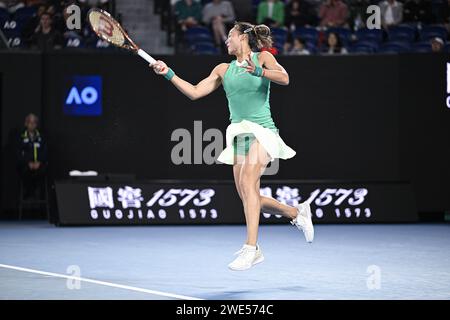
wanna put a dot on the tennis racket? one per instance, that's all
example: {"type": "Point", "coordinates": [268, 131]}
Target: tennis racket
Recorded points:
{"type": "Point", "coordinates": [108, 29]}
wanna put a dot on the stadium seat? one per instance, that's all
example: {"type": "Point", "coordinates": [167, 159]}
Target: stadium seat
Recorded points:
{"type": "Point", "coordinates": [14, 41]}
{"type": "Point", "coordinates": [4, 16]}
{"type": "Point", "coordinates": [307, 34]}
{"type": "Point", "coordinates": [375, 35]}
{"type": "Point", "coordinates": [11, 27]}
{"type": "Point", "coordinates": [365, 47]}
{"type": "Point", "coordinates": [22, 15]}
{"type": "Point", "coordinates": [429, 32]}
{"type": "Point", "coordinates": [279, 47]}
{"type": "Point", "coordinates": [74, 42]}
{"type": "Point", "coordinates": [424, 46]}
{"type": "Point", "coordinates": [26, 11]}
{"type": "Point", "coordinates": [204, 48]}
{"type": "Point", "coordinates": [395, 47]}
{"type": "Point", "coordinates": [198, 34]}
{"type": "Point", "coordinates": [311, 46]}
{"type": "Point", "coordinates": [404, 33]}
{"type": "Point", "coordinates": [279, 34]}
{"type": "Point", "coordinates": [361, 49]}
{"type": "Point", "coordinates": [96, 43]}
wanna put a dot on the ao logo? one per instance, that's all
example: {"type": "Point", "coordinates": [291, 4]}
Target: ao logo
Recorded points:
{"type": "Point", "coordinates": [83, 96]}
{"type": "Point", "coordinates": [88, 95]}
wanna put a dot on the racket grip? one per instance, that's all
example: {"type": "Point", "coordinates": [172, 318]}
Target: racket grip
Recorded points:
{"type": "Point", "coordinates": [144, 55]}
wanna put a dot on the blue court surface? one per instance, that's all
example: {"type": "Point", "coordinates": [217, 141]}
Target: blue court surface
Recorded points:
{"type": "Point", "coordinates": [402, 261]}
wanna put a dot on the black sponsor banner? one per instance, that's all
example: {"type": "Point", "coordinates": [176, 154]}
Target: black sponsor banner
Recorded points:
{"type": "Point", "coordinates": [212, 202]}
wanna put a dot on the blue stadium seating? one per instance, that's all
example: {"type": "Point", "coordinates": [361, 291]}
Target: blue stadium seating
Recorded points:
{"type": "Point", "coordinates": [74, 42]}
{"type": "Point", "coordinates": [307, 34]}
{"type": "Point", "coordinates": [365, 47]}
{"type": "Point", "coordinates": [404, 33]}
{"type": "Point", "coordinates": [204, 48]}
{"type": "Point", "coordinates": [279, 33]}
{"type": "Point", "coordinates": [424, 46]}
{"type": "Point", "coordinates": [375, 35]}
{"type": "Point", "coordinates": [429, 32]}
{"type": "Point", "coordinates": [311, 46]}
{"type": "Point", "coordinates": [26, 11]}
{"type": "Point", "coordinates": [198, 34]}
{"type": "Point", "coordinates": [22, 15]}
{"type": "Point", "coordinates": [395, 47]}
{"type": "Point", "coordinates": [4, 16]}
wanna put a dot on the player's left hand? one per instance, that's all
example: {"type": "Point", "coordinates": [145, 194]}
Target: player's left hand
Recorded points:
{"type": "Point", "coordinates": [250, 67]}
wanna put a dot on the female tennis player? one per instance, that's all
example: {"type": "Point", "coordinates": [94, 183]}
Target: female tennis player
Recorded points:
{"type": "Point", "coordinates": [252, 137]}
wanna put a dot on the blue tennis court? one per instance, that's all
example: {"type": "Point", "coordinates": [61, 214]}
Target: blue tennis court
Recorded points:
{"type": "Point", "coordinates": [400, 261]}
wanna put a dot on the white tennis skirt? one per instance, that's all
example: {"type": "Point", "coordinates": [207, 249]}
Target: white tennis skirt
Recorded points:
{"type": "Point", "coordinates": [269, 139]}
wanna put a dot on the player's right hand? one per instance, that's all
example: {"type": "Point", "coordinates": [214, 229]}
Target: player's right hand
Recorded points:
{"type": "Point", "coordinates": [160, 67]}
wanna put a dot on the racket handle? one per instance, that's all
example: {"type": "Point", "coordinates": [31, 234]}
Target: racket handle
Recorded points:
{"type": "Point", "coordinates": [146, 56]}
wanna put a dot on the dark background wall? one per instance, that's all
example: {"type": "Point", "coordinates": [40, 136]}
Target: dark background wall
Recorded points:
{"type": "Point", "coordinates": [349, 118]}
{"type": "Point", "coordinates": [425, 129]}
{"type": "Point", "coordinates": [20, 95]}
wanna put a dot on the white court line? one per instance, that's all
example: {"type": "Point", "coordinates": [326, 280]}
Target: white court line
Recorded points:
{"type": "Point", "coordinates": [103, 283]}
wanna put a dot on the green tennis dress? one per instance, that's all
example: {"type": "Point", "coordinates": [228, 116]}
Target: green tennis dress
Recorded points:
{"type": "Point", "coordinates": [250, 116]}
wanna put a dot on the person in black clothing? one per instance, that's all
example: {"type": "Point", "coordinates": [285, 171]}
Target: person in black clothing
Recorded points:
{"type": "Point", "coordinates": [31, 156]}
{"type": "Point", "coordinates": [46, 37]}
{"type": "Point", "coordinates": [298, 14]}
{"type": "Point", "coordinates": [31, 25]}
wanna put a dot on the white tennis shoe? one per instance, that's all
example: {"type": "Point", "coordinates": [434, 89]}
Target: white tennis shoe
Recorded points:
{"type": "Point", "coordinates": [248, 256]}
{"type": "Point", "coordinates": [303, 221]}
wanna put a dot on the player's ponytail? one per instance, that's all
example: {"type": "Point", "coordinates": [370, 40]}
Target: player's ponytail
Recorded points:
{"type": "Point", "coordinates": [258, 36]}
{"type": "Point", "coordinates": [263, 37]}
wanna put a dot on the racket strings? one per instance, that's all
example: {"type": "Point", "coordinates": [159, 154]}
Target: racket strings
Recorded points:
{"type": "Point", "coordinates": [106, 28]}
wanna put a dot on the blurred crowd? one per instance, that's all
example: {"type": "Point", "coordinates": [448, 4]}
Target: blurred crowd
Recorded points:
{"type": "Point", "coordinates": [41, 24]}
{"type": "Point", "coordinates": [336, 22]}
{"type": "Point", "coordinates": [201, 26]}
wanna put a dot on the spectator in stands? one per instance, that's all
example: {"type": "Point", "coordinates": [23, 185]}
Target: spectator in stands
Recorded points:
{"type": "Point", "coordinates": [58, 20]}
{"type": "Point", "coordinates": [298, 14]}
{"type": "Point", "coordinates": [243, 10]}
{"type": "Point", "coordinates": [297, 49]}
{"type": "Point", "coordinates": [334, 44]}
{"type": "Point", "coordinates": [287, 46]}
{"type": "Point", "coordinates": [437, 45]}
{"type": "Point", "coordinates": [358, 13]}
{"type": "Point", "coordinates": [271, 13]}
{"type": "Point", "coordinates": [31, 25]}
{"type": "Point", "coordinates": [333, 13]}
{"type": "Point", "coordinates": [391, 13]}
{"type": "Point", "coordinates": [31, 155]}
{"type": "Point", "coordinates": [46, 37]}
{"type": "Point", "coordinates": [217, 14]}
{"type": "Point", "coordinates": [188, 13]}
{"type": "Point", "coordinates": [417, 11]}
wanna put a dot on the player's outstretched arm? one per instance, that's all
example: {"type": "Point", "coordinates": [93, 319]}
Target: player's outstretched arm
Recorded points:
{"type": "Point", "coordinates": [193, 92]}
